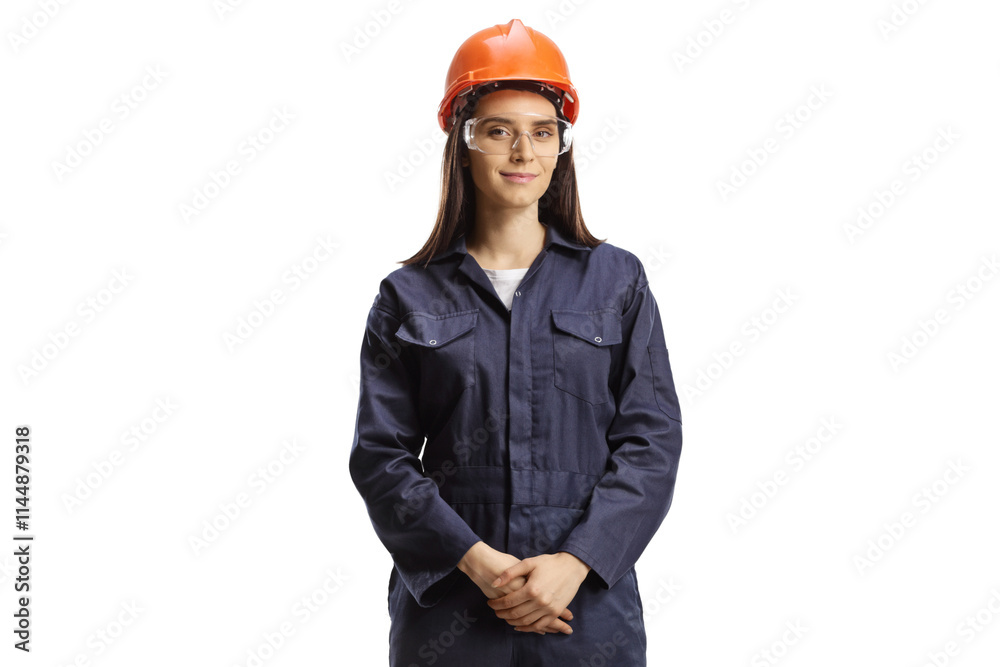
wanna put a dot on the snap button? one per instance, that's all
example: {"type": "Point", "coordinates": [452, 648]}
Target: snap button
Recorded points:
{"type": "Point", "coordinates": [597, 338]}
{"type": "Point", "coordinates": [518, 293]}
{"type": "Point", "coordinates": [432, 341]}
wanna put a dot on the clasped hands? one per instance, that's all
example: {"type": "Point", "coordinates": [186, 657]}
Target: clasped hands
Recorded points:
{"type": "Point", "coordinates": [530, 594]}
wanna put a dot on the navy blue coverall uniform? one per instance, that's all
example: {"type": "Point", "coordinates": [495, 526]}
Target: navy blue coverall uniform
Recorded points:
{"type": "Point", "coordinates": [554, 426]}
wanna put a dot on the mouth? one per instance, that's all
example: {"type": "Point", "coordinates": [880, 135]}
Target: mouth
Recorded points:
{"type": "Point", "coordinates": [518, 177]}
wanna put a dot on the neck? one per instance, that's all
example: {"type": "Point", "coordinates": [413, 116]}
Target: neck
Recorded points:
{"type": "Point", "coordinates": [505, 242]}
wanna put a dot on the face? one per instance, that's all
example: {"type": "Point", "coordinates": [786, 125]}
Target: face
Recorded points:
{"type": "Point", "coordinates": [493, 188]}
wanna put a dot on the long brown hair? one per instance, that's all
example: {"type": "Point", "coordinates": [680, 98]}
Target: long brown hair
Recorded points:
{"type": "Point", "coordinates": [558, 206]}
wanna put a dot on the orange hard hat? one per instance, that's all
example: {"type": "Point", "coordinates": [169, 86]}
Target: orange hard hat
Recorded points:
{"type": "Point", "coordinates": [502, 53]}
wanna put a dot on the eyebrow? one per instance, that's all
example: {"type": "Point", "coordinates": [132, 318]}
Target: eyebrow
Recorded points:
{"type": "Point", "coordinates": [504, 119]}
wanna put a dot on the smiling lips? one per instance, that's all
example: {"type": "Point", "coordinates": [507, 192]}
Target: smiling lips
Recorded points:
{"type": "Point", "coordinates": [518, 177]}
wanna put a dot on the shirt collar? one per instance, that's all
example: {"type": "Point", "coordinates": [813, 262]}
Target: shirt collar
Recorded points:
{"type": "Point", "coordinates": [552, 235]}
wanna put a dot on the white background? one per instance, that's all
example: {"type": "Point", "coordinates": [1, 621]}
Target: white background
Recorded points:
{"type": "Point", "coordinates": [357, 167]}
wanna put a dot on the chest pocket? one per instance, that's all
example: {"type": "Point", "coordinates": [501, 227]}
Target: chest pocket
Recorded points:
{"type": "Point", "coordinates": [581, 351]}
{"type": "Point", "coordinates": [444, 347]}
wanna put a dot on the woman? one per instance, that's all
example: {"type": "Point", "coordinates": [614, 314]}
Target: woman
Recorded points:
{"type": "Point", "coordinates": [531, 358]}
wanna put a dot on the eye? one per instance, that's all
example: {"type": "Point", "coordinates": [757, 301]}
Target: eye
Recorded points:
{"type": "Point", "coordinates": [492, 132]}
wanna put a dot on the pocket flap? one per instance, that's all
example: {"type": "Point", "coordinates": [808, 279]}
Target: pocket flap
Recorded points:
{"type": "Point", "coordinates": [597, 327]}
{"type": "Point", "coordinates": [436, 330]}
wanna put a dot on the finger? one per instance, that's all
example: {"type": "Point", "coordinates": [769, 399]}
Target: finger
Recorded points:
{"type": "Point", "coordinates": [519, 569]}
{"type": "Point", "coordinates": [520, 611]}
{"type": "Point", "coordinates": [555, 625]}
{"type": "Point", "coordinates": [567, 614]}
{"type": "Point", "coordinates": [514, 585]}
{"type": "Point", "coordinates": [510, 600]}
{"type": "Point", "coordinates": [529, 621]}
{"type": "Point", "coordinates": [549, 624]}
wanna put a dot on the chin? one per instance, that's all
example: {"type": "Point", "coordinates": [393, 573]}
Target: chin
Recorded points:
{"type": "Point", "coordinates": [523, 202]}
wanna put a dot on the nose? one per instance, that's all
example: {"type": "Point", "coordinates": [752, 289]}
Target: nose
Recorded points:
{"type": "Point", "coordinates": [523, 148]}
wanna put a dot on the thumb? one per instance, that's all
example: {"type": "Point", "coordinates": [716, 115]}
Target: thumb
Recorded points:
{"type": "Point", "coordinates": [520, 569]}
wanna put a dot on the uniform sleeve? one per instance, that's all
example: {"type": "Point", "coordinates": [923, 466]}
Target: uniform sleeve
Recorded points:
{"type": "Point", "coordinates": [424, 535]}
{"type": "Point", "coordinates": [632, 498]}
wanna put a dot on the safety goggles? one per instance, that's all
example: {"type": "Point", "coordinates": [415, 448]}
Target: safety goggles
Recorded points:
{"type": "Point", "coordinates": [500, 134]}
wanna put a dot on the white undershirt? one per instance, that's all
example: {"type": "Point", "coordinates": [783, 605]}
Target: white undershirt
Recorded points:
{"type": "Point", "coordinates": [505, 282]}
